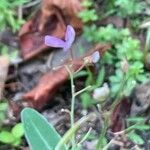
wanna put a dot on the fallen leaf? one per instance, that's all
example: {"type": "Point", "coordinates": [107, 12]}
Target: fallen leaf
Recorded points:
{"type": "Point", "coordinates": [51, 81]}
{"type": "Point", "coordinates": [121, 111]}
{"type": "Point", "coordinates": [68, 12]}
{"type": "Point", "coordinates": [50, 20]}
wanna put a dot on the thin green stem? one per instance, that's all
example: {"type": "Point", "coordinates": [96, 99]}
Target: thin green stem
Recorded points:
{"type": "Point", "coordinates": [133, 127]}
{"type": "Point", "coordinates": [83, 90]}
{"type": "Point", "coordinates": [103, 133]}
{"type": "Point", "coordinates": [85, 137]}
{"type": "Point", "coordinates": [72, 102]}
{"type": "Point", "coordinates": [120, 133]}
{"type": "Point", "coordinates": [107, 146]}
{"type": "Point", "coordinates": [108, 114]}
{"type": "Point", "coordinates": [119, 94]}
{"type": "Point", "coordinates": [71, 132]}
{"type": "Point", "coordinates": [73, 94]}
{"type": "Point", "coordinates": [147, 44]}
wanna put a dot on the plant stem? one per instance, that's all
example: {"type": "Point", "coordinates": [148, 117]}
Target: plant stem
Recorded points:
{"type": "Point", "coordinates": [71, 132]}
{"type": "Point", "coordinates": [119, 133]}
{"type": "Point", "coordinates": [72, 103]}
{"type": "Point", "coordinates": [119, 95]}
{"type": "Point", "coordinates": [103, 133]}
{"type": "Point", "coordinates": [127, 130]}
{"type": "Point", "coordinates": [81, 91]}
{"type": "Point", "coordinates": [73, 94]}
{"type": "Point", "coordinates": [108, 114]}
{"type": "Point", "coordinates": [85, 137]}
{"type": "Point", "coordinates": [107, 146]}
{"type": "Point", "coordinates": [147, 44]}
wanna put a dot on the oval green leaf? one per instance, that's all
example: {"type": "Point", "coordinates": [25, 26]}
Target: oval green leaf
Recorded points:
{"type": "Point", "coordinates": [18, 130]}
{"type": "Point", "coordinates": [6, 137]}
{"type": "Point", "coordinates": [39, 133]}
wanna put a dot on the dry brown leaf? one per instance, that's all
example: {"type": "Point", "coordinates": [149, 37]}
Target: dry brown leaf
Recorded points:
{"type": "Point", "coordinates": [46, 87]}
{"type": "Point", "coordinates": [68, 12]}
{"type": "Point", "coordinates": [50, 20]}
{"type": "Point", "coordinates": [52, 80]}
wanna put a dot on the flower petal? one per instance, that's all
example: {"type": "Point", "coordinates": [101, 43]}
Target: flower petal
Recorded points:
{"type": "Point", "coordinates": [95, 57]}
{"type": "Point", "coordinates": [54, 42]}
{"type": "Point", "coordinates": [70, 35]}
{"type": "Point", "coordinates": [66, 47]}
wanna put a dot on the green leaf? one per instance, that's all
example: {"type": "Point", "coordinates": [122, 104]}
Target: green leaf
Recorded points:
{"type": "Point", "coordinates": [88, 15]}
{"type": "Point", "coordinates": [2, 117]}
{"type": "Point", "coordinates": [17, 142]}
{"type": "Point", "coordinates": [119, 74]}
{"type": "Point", "coordinates": [135, 138]}
{"type": "Point", "coordinates": [136, 119]}
{"type": "Point", "coordinates": [101, 76]}
{"type": "Point", "coordinates": [86, 3]}
{"type": "Point", "coordinates": [108, 57]}
{"type": "Point", "coordinates": [142, 127]}
{"type": "Point", "coordinates": [86, 100]}
{"type": "Point", "coordinates": [18, 130]}
{"type": "Point", "coordinates": [39, 133]}
{"type": "Point", "coordinates": [6, 137]}
{"type": "Point", "coordinates": [3, 106]}
{"type": "Point", "coordinates": [114, 79]}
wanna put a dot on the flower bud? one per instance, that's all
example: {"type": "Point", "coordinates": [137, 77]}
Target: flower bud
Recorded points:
{"type": "Point", "coordinates": [124, 66]}
{"type": "Point", "coordinates": [94, 58]}
{"type": "Point", "coordinates": [101, 93]}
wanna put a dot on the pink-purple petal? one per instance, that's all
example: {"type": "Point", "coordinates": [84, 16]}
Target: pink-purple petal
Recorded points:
{"type": "Point", "coordinates": [54, 42]}
{"type": "Point", "coordinates": [95, 57]}
{"type": "Point", "coordinates": [70, 35]}
{"type": "Point", "coordinates": [66, 47]}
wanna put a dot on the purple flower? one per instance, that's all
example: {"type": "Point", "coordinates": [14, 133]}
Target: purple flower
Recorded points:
{"type": "Point", "coordinates": [95, 57]}
{"type": "Point", "coordinates": [56, 42]}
